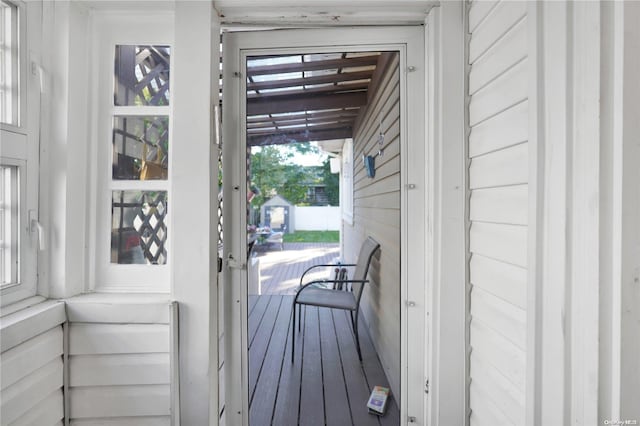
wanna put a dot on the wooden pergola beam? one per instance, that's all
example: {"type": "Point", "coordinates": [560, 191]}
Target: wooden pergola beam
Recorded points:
{"type": "Point", "coordinates": [340, 88]}
{"type": "Point", "coordinates": [316, 79]}
{"type": "Point", "coordinates": [360, 61]}
{"type": "Point", "coordinates": [342, 113]}
{"type": "Point", "coordinates": [260, 106]}
{"type": "Point", "coordinates": [327, 126]}
{"type": "Point", "coordinates": [316, 122]}
{"type": "Point", "coordinates": [306, 136]}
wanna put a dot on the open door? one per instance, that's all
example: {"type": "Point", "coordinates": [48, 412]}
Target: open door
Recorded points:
{"type": "Point", "coordinates": [398, 191]}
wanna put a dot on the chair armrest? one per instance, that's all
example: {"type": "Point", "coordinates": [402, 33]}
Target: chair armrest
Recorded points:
{"type": "Point", "coordinates": [325, 282]}
{"type": "Point", "coordinates": [326, 265]}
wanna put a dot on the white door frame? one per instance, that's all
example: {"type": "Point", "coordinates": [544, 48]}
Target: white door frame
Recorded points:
{"type": "Point", "coordinates": [409, 41]}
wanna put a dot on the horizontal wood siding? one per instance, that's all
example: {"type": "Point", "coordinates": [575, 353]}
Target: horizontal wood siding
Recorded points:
{"type": "Point", "coordinates": [31, 366]}
{"type": "Point", "coordinates": [498, 149]}
{"type": "Point", "coordinates": [376, 208]}
{"type": "Point", "coordinates": [119, 362]}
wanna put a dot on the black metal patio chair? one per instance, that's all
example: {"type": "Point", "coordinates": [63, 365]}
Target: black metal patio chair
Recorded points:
{"type": "Point", "coordinates": [337, 293]}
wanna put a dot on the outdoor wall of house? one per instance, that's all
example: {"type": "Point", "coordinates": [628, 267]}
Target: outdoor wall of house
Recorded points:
{"type": "Point", "coordinates": [119, 360]}
{"type": "Point", "coordinates": [498, 181]}
{"type": "Point", "coordinates": [376, 213]}
{"type": "Point", "coordinates": [31, 364]}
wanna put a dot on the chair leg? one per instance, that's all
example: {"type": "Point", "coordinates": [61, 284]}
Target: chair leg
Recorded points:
{"type": "Point", "coordinates": [293, 332]}
{"type": "Point", "coordinates": [357, 337]}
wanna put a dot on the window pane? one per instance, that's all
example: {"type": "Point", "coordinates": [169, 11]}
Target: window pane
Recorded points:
{"type": "Point", "coordinates": [138, 227]}
{"type": "Point", "coordinates": [8, 225]}
{"type": "Point", "coordinates": [140, 148]}
{"type": "Point", "coordinates": [9, 63]}
{"type": "Point", "coordinates": [142, 75]}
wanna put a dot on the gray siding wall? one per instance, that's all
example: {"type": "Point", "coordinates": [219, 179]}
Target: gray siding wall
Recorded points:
{"type": "Point", "coordinates": [376, 213]}
{"type": "Point", "coordinates": [498, 182]}
{"type": "Point", "coordinates": [31, 366]}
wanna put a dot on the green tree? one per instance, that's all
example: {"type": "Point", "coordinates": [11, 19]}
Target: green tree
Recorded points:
{"type": "Point", "coordinates": [332, 183]}
{"type": "Point", "coordinates": [273, 173]}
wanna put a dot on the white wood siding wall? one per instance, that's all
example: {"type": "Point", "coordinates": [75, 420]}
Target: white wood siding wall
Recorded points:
{"type": "Point", "coordinates": [119, 362]}
{"type": "Point", "coordinates": [498, 183]}
{"type": "Point", "coordinates": [31, 366]}
{"type": "Point", "coordinates": [376, 213]}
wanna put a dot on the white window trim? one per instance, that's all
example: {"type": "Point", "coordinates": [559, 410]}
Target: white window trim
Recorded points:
{"type": "Point", "coordinates": [20, 98]}
{"type": "Point", "coordinates": [20, 147]}
{"type": "Point", "coordinates": [109, 30]}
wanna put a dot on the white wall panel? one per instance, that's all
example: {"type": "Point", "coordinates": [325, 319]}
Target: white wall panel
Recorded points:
{"type": "Point", "coordinates": [500, 131]}
{"type": "Point", "coordinates": [31, 367]}
{"type": "Point", "coordinates": [95, 339]}
{"type": "Point", "coordinates": [498, 150]}
{"type": "Point", "coordinates": [119, 373]}
{"type": "Point", "coordinates": [376, 213]}
{"type": "Point", "coordinates": [119, 401]}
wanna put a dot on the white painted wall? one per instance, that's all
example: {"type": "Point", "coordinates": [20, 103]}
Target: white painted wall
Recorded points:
{"type": "Point", "coordinates": [119, 359]}
{"type": "Point", "coordinates": [321, 218]}
{"type": "Point", "coordinates": [31, 365]}
{"type": "Point", "coordinates": [444, 236]}
{"type": "Point", "coordinates": [194, 241]}
{"type": "Point", "coordinates": [376, 213]}
{"type": "Point", "coordinates": [498, 152]}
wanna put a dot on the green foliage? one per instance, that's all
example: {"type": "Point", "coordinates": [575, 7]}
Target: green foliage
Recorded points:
{"type": "Point", "coordinates": [313, 237]}
{"type": "Point", "coordinates": [273, 173]}
{"type": "Point", "coordinates": [332, 182]}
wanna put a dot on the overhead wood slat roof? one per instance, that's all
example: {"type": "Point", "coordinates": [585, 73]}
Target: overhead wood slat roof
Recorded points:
{"type": "Point", "coordinates": [301, 98]}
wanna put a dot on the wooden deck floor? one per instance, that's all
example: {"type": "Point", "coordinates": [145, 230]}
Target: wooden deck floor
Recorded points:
{"type": "Point", "coordinates": [280, 270]}
{"type": "Point", "coordinates": [326, 384]}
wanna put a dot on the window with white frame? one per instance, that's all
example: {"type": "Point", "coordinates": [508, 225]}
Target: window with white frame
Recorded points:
{"type": "Point", "coordinates": [9, 64]}
{"type": "Point", "coordinates": [19, 153]}
{"type": "Point", "coordinates": [9, 229]}
{"type": "Point", "coordinates": [133, 159]}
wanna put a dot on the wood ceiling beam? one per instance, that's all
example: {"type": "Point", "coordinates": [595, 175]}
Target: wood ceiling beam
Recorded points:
{"type": "Point", "coordinates": [259, 106]}
{"type": "Point", "coordinates": [341, 88]}
{"type": "Point", "coordinates": [306, 115]}
{"type": "Point", "coordinates": [328, 126]}
{"type": "Point", "coordinates": [315, 122]}
{"type": "Point", "coordinates": [316, 79]}
{"type": "Point", "coordinates": [308, 136]}
{"type": "Point", "coordinates": [360, 61]}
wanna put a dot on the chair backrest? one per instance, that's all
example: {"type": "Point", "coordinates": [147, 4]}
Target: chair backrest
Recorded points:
{"type": "Point", "coordinates": [367, 250]}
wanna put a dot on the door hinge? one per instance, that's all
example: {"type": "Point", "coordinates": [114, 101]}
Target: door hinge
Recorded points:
{"type": "Point", "coordinates": [237, 74]}
{"type": "Point", "coordinates": [412, 419]}
{"type": "Point", "coordinates": [426, 386]}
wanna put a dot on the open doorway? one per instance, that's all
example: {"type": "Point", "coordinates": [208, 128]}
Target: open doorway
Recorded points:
{"type": "Point", "coordinates": [361, 120]}
{"type": "Point", "coordinates": [295, 103]}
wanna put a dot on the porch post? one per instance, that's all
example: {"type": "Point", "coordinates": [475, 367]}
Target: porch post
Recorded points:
{"type": "Point", "coordinates": [192, 208]}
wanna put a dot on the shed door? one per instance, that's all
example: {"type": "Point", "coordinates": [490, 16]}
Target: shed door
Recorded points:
{"type": "Point", "coordinates": [498, 182]}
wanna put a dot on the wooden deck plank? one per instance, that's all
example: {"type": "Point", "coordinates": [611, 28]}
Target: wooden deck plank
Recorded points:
{"type": "Point", "coordinates": [260, 343]}
{"type": "Point", "coordinates": [280, 271]}
{"type": "Point", "coordinates": [357, 386]}
{"type": "Point", "coordinates": [288, 397]}
{"type": "Point", "coordinates": [326, 378]}
{"type": "Point", "coordinates": [255, 318]}
{"type": "Point", "coordinates": [375, 373]}
{"type": "Point", "coordinates": [262, 400]}
{"type": "Point", "coordinates": [311, 404]}
{"type": "Point", "coordinates": [336, 399]}
{"type": "Point", "coordinates": [253, 299]}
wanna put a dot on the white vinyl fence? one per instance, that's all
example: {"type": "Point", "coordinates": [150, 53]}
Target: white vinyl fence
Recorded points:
{"type": "Point", "coordinates": [317, 218]}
